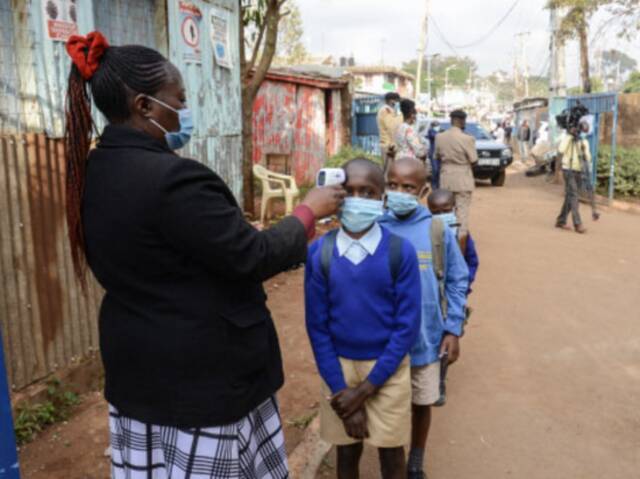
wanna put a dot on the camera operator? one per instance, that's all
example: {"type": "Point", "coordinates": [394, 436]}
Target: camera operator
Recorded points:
{"type": "Point", "coordinates": [574, 148]}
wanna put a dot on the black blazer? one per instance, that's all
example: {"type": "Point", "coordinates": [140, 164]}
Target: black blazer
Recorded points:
{"type": "Point", "coordinates": [185, 333]}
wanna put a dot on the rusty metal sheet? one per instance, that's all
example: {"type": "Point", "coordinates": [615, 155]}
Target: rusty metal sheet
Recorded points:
{"type": "Point", "coordinates": [309, 134]}
{"type": "Point", "coordinates": [46, 320]}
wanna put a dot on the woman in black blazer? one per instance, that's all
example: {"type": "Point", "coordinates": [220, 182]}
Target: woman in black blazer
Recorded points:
{"type": "Point", "coordinates": [190, 352]}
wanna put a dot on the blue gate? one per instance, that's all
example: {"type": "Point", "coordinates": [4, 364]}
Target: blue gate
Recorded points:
{"type": "Point", "coordinates": [598, 104]}
{"type": "Point", "coordinates": [364, 128]}
{"type": "Point", "coordinates": [8, 454]}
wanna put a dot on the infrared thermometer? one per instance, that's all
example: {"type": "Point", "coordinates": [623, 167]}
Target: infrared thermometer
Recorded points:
{"type": "Point", "coordinates": [330, 176]}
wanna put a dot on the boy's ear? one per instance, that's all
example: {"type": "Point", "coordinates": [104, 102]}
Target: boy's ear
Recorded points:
{"type": "Point", "coordinates": [425, 191]}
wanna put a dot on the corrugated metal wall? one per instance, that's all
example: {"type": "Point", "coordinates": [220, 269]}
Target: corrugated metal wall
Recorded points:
{"type": "Point", "coordinates": [46, 322]}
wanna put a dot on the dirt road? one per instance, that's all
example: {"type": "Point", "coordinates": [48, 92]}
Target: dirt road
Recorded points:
{"type": "Point", "coordinates": [549, 382]}
{"type": "Point", "coordinates": [548, 385]}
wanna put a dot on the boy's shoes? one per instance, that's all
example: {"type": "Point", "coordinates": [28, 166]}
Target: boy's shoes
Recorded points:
{"type": "Point", "coordinates": [580, 229]}
{"type": "Point", "coordinates": [416, 474]}
{"type": "Point", "coordinates": [563, 226]}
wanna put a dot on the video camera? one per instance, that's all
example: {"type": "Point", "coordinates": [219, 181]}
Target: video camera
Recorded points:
{"type": "Point", "coordinates": [570, 118]}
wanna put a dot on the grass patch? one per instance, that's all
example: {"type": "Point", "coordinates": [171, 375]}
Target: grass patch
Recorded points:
{"type": "Point", "coordinates": [302, 422]}
{"type": "Point", "coordinates": [31, 419]}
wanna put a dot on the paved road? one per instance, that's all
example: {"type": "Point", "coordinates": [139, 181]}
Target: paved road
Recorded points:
{"type": "Point", "coordinates": [549, 382]}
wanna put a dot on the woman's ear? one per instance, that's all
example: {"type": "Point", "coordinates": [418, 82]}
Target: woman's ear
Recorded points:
{"type": "Point", "coordinates": [141, 105]}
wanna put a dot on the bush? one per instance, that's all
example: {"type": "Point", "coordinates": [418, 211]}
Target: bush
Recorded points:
{"type": "Point", "coordinates": [627, 174]}
{"type": "Point", "coordinates": [347, 153]}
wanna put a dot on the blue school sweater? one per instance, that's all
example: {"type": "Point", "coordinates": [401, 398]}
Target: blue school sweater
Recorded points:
{"type": "Point", "coordinates": [473, 262]}
{"type": "Point", "coordinates": [359, 313]}
{"type": "Point", "coordinates": [417, 229]}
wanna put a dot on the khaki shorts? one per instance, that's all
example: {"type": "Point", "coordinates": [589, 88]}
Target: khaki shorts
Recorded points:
{"type": "Point", "coordinates": [425, 384]}
{"type": "Point", "coordinates": [388, 412]}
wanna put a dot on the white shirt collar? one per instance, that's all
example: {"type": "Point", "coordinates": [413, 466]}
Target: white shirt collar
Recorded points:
{"type": "Point", "coordinates": [369, 241]}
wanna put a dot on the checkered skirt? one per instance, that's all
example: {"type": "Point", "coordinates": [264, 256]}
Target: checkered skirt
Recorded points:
{"type": "Point", "coordinates": [252, 448]}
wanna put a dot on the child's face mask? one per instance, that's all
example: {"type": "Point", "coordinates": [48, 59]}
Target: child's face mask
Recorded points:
{"type": "Point", "coordinates": [400, 203]}
{"type": "Point", "coordinates": [450, 220]}
{"type": "Point", "coordinates": [358, 214]}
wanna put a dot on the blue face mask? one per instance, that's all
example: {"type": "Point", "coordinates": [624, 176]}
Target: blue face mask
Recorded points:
{"type": "Point", "coordinates": [358, 214]}
{"type": "Point", "coordinates": [450, 220]}
{"type": "Point", "coordinates": [584, 135]}
{"type": "Point", "coordinates": [176, 139]}
{"type": "Point", "coordinates": [401, 203]}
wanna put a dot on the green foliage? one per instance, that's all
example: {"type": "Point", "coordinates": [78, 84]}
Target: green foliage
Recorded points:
{"type": "Point", "coordinates": [458, 76]}
{"type": "Point", "coordinates": [633, 83]}
{"type": "Point", "coordinates": [347, 153]}
{"type": "Point", "coordinates": [290, 49]}
{"type": "Point", "coordinates": [627, 175]}
{"type": "Point", "coordinates": [33, 418]}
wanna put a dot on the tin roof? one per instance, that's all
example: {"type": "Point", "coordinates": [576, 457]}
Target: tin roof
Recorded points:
{"type": "Point", "coordinates": [321, 76]}
{"type": "Point", "coordinates": [380, 69]}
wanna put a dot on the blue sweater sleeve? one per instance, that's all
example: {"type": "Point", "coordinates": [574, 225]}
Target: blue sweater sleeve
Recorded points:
{"type": "Point", "coordinates": [407, 320]}
{"type": "Point", "coordinates": [456, 285]}
{"type": "Point", "coordinates": [317, 319]}
{"type": "Point", "coordinates": [471, 257]}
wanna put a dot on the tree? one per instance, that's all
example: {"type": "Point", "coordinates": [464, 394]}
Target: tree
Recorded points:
{"type": "Point", "coordinates": [464, 68]}
{"type": "Point", "coordinates": [633, 83]}
{"type": "Point", "coordinates": [614, 64]}
{"type": "Point", "coordinates": [258, 40]}
{"type": "Point", "coordinates": [290, 49]}
{"type": "Point", "coordinates": [627, 14]}
{"type": "Point", "coordinates": [575, 24]}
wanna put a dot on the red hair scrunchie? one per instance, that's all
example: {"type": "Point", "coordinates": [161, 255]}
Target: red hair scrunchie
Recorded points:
{"type": "Point", "coordinates": [86, 52]}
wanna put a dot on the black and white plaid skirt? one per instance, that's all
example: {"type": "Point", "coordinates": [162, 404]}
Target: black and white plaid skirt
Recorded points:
{"type": "Point", "coordinates": [252, 448]}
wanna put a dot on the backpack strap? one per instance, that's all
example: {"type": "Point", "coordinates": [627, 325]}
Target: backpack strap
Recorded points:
{"type": "Point", "coordinates": [437, 255]}
{"type": "Point", "coordinates": [326, 253]}
{"type": "Point", "coordinates": [395, 256]}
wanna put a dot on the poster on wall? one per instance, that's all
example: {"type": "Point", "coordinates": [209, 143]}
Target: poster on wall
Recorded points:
{"type": "Point", "coordinates": [60, 18]}
{"type": "Point", "coordinates": [190, 32]}
{"type": "Point", "coordinates": [220, 37]}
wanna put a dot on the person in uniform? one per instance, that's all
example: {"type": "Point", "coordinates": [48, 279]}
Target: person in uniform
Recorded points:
{"type": "Point", "coordinates": [457, 154]}
{"type": "Point", "coordinates": [388, 121]}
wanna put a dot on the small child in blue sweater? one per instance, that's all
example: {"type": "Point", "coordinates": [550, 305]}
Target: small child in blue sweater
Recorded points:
{"type": "Point", "coordinates": [362, 296]}
{"type": "Point", "coordinates": [442, 204]}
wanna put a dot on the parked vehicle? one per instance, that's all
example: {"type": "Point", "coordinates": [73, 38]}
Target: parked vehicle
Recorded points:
{"type": "Point", "coordinates": [493, 157]}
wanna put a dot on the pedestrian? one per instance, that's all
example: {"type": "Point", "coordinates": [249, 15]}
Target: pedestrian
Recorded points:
{"type": "Point", "coordinates": [508, 132]}
{"type": "Point", "coordinates": [443, 296]}
{"type": "Point", "coordinates": [524, 137]}
{"type": "Point", "coordinates": [575, 151]}
{"type": "Point", "coordinates": [388, 121]}
{"type": "Point", "coordinates": [409, 143]}
{"type": "Point", "coordinates": [434, 129]}
{"type": "Point", "coordinates": [190, 353]}
{"type": "Point", "coordinates": [362, 296]}
{"type": "Point", "coordinates": [442, 205]}
{"type": "Point", "coordinates": [457, 154]}
{"type": "Point", "coordinates": [498, 134]}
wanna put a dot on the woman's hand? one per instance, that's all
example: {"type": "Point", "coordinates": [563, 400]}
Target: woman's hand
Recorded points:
{"type": "Point", "coordinates": [325, 201]}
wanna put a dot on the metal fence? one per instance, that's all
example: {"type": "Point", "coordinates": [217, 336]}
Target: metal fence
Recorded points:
{"type": "Point", "coordinates": [46, 320]}
{"type": "Point", "coordinates": [364, 128]}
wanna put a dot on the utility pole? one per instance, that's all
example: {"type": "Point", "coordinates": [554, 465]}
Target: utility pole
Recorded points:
{"type": "Point", "coordinates": [557, 71]}
{"type": "Point", "coordinates": [523, 59]}
{"type": "Point", "coordinates": [422, 45]}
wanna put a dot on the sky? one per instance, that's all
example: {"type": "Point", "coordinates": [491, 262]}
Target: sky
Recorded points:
{"type": "Point", "coordinates": [372, 30]}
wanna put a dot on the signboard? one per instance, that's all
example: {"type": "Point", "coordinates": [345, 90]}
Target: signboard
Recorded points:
{"type": "Point", "coordinates": [190, 31]}
{"type": "Point", "coordinates": [220, 37]}
{"type": "Point", "coordinates": [60, 18]}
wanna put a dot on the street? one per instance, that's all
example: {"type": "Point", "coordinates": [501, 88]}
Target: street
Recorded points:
{"type": "Point", "coordinates": [549, 379]}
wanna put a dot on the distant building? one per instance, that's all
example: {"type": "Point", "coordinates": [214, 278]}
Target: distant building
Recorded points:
{"type": "Point", "coordinates": [381, 79]}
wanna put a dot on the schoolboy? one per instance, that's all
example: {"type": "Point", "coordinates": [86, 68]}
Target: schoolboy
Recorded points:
{"type": "Point", "coordinates": [440, 326]}
{"type": "Point", "coordinates": [442, 205]}
{"type": "Point", "coordinates": [362, 296]}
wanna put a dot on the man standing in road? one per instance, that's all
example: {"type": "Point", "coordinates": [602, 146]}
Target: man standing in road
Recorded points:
{"type": "Point", "coordinates": [388, 121]}
{"type": "Point", "coordinates": [524, 137]}
{"type": "Point", "coordinates": [457, 154]}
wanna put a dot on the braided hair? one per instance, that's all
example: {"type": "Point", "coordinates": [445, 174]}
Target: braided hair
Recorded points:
{"type": "Point", "coordinates": [115, 75]}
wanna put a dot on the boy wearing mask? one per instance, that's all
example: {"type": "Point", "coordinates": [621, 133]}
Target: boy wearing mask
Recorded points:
{"type": "Point", "coordinates": [442, 205]}
{"type": "Point", "coordinates": [362, 297]}
{"type": "Point", "coordinates": [439, 333]}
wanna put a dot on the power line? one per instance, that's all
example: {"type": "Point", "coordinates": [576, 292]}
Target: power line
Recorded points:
{"type": "Point", "coordinates": [485, 36]}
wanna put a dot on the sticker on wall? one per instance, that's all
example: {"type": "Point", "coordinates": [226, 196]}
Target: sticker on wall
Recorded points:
{"type": "Point", "coordinates": [190, 20]}
{"type": "Point", "coordinates": [60, 18]}
{"type": "Point", "coordinates": [220, 37]}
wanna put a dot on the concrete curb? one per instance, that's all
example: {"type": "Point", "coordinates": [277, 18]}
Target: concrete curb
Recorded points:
{"type": "Point", "coordinates": [306, 458]}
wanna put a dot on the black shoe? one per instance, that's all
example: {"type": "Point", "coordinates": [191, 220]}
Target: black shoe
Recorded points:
{"type": "Point", "coordinates": [416, 474]}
